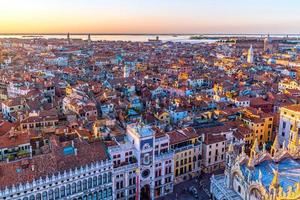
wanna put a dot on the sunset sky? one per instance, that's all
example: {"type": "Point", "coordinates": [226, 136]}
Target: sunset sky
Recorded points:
{"type": "Point", "coordinates": [150, 16]}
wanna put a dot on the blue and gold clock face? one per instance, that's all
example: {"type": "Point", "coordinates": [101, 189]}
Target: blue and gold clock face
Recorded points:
{"type": "Point", "coordinates": [146, 144]}
{"type": "Point", "coordinates": [146, 173]}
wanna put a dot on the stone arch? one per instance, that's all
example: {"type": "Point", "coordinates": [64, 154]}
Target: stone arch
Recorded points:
{"type": "Point", "coordinates": [84, 185]}
{"type": "Point", "coordinates": [95, 181]}
{"type": "Point", "coordinates": [68, 190]}
{"type": "Point", "coordinates": [237, 182]}
{"type": "Point", "coordinates": [100, 179]}
{"type": "Point", "coordinates": [56, 193]}
{"type": "Point", "coordinates": [45, 195]}
{"type": "Point", "coordinates": [90, 183]}
{"type": "Point", "coordinates": [73, 188]}
{"type": "Point", "coordinates": [235, 173]}
{"type": "Point", "coordinates": [62, 191]}
{"type": "Point", "coordinates": [38, 196]}
{"type": "Point", "coordinates": [256, 193]}
{"type": "Point", "coordinates": [104, 178]}
{"type": "Point", "coordinates": [79, 186]}
{"type": "Point", "coordinates": [51, 194]}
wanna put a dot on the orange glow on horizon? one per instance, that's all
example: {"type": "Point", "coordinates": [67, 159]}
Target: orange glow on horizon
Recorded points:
{"type": "Point", "coordinates": [142, 16]}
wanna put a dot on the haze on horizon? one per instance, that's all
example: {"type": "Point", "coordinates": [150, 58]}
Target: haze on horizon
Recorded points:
{"type": "Point", "coordinates": [149, 16]}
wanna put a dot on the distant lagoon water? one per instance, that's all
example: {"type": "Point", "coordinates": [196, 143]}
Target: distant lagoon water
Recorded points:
{"type": "Point", "coordinates": [133, 38]}
{"type": "Point", "coordinates": [143, 37]}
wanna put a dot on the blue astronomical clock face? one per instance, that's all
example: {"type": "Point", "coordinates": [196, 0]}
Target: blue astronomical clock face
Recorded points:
{"type": "Point", "coordinates": [146, 173]}
{"type": "Point", "coordinates": [146, 144]}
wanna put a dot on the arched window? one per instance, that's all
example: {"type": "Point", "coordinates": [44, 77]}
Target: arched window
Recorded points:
{"type": "Point", "coordinates": [90, 183]}
{"type": "Point", "coordinates": [38, 196]}
{"type": "Point", "coordinates": [45, 195]}
{"type": "Point", "coordinates": [104, 193]}
{"type": "Point", "coordinates": [94, 181]}
{"type": "Point", "coordinates": [109, 177]}
{"type": "Point", "coordinates": [79, 187]}
{"type": "Point", "coordinates": [239, 189]}
{"type": "Point", "coordinates": [100, 194]}
{"type": "Point", "coordinates": [62, 191]}
{"type": "Point", "coordinates": [100, 180]}
{"type": "Point", "coordinates": [31, 197]}
{"type": "Point", "coordinates": [109, 192]}
{"type": "Point", "coordinates": [84, 185]}
{"type": "Point", "coordinates": [73, 188]}
{"type": "Point", "coordinates": [50, 194]}
{"type": "Point", "coordinates": [95, 196]}
{"type": "Point", "coordinates": [56, 193]}
{"type": "Point", "coordinates": [104, 178]}
{"type": "Point", "coordinates": [68, 190]}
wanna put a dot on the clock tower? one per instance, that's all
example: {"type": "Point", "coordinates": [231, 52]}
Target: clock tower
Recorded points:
{"type": "Point", "coordinates": [143, 139]}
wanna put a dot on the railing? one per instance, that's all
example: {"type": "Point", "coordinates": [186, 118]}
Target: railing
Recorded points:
{"type": "Point", "coordinates": [161, 139]}
{"type": "Point", "coordinates": [191, 146]}
{"type": "Point", "coordinates": [167, 155]}
{"type": "Point", "coordinates": [126, 167]}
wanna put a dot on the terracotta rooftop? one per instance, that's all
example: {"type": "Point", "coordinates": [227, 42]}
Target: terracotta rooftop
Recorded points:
{"type": "Point", "coordinates": [214, 138]}
{"type": "Point", "coordinates": [51, 163]}
{"type": "Point", "coordinates": [295, 107]}
{"type": "Point", "coordinates": [182, 135]}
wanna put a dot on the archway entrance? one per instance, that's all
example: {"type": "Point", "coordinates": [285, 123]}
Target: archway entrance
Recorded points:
{"type": "Point", "coordinates": [145, 192]}
{"type": "Point", "coordinates": [255, 194]}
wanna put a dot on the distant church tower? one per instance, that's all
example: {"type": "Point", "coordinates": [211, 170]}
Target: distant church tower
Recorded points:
{"type": "Point", "coordinates": [68, 38]}
{"type": "Point", "coordinates": [268, 46]}
{"type": "Point", "coordinates": [89, 39]}
{"type": "Point", "coordinates": [250, 55]}
{"type": "Point", "coordinates": [126, 71]}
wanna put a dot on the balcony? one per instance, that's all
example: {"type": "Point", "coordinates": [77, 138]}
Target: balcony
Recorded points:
{"type": "Point", "coordinates": [191, 146]}
{"type": "Point", "coordinates": [125, 166]}
{"type": "Point", "coordinates": [15, 154]}
{"type": "Point", "coordinates": [165, 156]}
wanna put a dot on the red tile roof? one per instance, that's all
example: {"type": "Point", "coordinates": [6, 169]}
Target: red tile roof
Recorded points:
{"type": "Point", "coordinates": [51, 163]}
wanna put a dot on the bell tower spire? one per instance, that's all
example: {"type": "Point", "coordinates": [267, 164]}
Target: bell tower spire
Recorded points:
{"type": "Point", "coordinates": [254, 149]}
{"type": "Point", "coordinates": [275, 146]}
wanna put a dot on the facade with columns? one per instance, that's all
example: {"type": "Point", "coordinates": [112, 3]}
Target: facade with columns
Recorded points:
{"type": "Point", "coordinates": [262, 175]}
{"type": "Point", "coordinates": [73, 169]}
{"type": "Point", "coordinates": [140, 165]}
{"type": "Point", "coordinates": [93, 181]}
